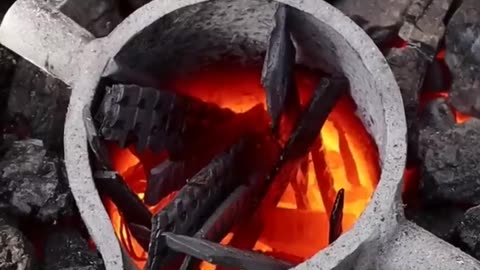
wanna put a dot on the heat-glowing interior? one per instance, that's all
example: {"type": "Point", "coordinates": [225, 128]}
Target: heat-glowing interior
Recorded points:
{"type": "Point", "coordinates": [350, 154]}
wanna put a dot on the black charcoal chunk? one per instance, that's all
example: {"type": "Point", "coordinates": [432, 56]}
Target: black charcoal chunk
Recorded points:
{"type": "Point", "coordinates": [8, 62]}
{"type": "Point", "coordinates": [33, 184]}
{"type": "Point", "coordinates": [16, 252]}
{"type": "Point", "coordinates": [409, 67]}
{"type": "Point", "coordinates": [463, 57]}
{"type": "Point", "coordinates": [67, 250]}
{"type": "Point", "coordinates": [40, 102]}
{"type": "Point", "coordinates": [379, 18]}
{"type": "Point", "coordinates": [439, 220]}
{"type": "Point", "coordinates": [437, 114]}
{"type": "Point", "coordinates": [99, 17]}
{"type": "Point", "coordinates": [451, 159]}
{"type": "Point", "coordinates": [467, 232]}
{"type": "Point", "coordinates": [423, 27]}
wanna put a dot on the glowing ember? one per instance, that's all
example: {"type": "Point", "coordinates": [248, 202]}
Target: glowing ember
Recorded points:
{"type": "Point", "coordinates": [287, 230]}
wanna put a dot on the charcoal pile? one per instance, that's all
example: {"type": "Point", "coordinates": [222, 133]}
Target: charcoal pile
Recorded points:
{"type": "Point", "coordinates": [40, 227]}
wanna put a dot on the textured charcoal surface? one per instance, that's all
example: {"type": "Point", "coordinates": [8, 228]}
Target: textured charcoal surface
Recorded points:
{"type": "Point", "coordinates": [67, 250]}
{"type": "Point", "coordinates": [463, 57]}
{"type": "Point", "coordinates": [424, 26]}
{"type": "Point", "coordinates": [33, 184]}
{"type": "Point", "coordinates": [99, 17]}
{"type": "Point", "coordinates": [379, 18]}
{"type": "Point", "coordinates": [437, 114]}
{"type": "Point", "coordinates": [450, 161]}
{"type": "Point", "coordinates": [441, 221]}
{"type": "Point", "coordinates": [41, 101]}
{"type": "Point", "coordinates": [409, 67]}
{"type": "Point", "coordinates": [467, 232]}
{"type": "Point", "coordinates": [16, 252]}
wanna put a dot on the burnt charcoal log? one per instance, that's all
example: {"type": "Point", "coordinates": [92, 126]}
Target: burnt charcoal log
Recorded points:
{"type": "Point", "coordinates": [423, 27]}
{"type": "Point", "coordinates": [449, 171]}
{"type": "Point", "coordinates": [336, 217]}
{"type": "Point", "coordinates": [195, 201]}
{"type": "Point", "coordinates": [42, 101]}
{"type": "Point", "coordinates": [467, 232]}
{"type": "Point", "coordinates": [156, 119]}
{"type": "Point", "coordinates": [278, 70]}
{"type": "Point", "coordinates": [33, 184]}
{"type": "Point", "coordinates": [222, 255]}
{"type": "Point", "coordinates": [66, 249]}
{"type": "Point", "coordinates": [172, 175]}
{"type": "Point", "coordinates": [111, 184]}
{"type": "Point", "coordinates": [98, 17]}
{"type": "Point", "coordinates": [439, 220]}
{"type": "Point", "coordinates": [379, 18]}
{"type": "Point", "coordinates": [409, 66]}
{"type": "Point", "coordinates": [463, 57]}
{"type": "Point", "coordinates": [312, 119]}
{"type": "Point", "coordinates": [16, 252]}
{"type": "Point", "coordinates": [221, 221]}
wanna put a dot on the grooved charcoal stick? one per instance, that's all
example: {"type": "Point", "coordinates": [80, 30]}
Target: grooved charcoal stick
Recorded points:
{"type": "Point", "coordinates": [312, 119]}
{"type": "Point", "coordinates": [336, 217]}
{"type": "Point", "coordinates": [223, 255]}
{"type": "Point", "coordinates": [153, 118]}
{"type": "Point", "coordinates": [278, 70]}
{"type": "Point", "coordinates": [221, 222]}
{"type": "Point", "coordinates": [194, 202]}
{"type": "Point", "coordinates": [171, 175]}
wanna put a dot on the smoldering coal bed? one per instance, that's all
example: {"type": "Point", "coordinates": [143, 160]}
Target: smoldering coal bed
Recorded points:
{"type": "Point", "coordinates": [202, 134]}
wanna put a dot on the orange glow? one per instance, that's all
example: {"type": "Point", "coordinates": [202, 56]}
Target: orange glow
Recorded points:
{"type": "Point", "coordinates": [287, 229]}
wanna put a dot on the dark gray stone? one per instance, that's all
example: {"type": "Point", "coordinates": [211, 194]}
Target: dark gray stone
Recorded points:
{"type": "Point", "coordinates": [99, 17]}
{"type": "Point", "coordinates": [67, 250]}
{"type": "Point", "coordinates": [439, 220]}
{"type": "Point", "coordinates": [450, 164]}
{"type": "Point", "coordinates": [467, 232]}
{"type": "Point", "coordinates": [33, 184]}
{"type": "Point", "coordinates": [16, 252]}
{"type": "Point", "coordinates": [463, 57]}
{"type": "Point", "coordinates": [409, 67]}
{"type": "Point", "coordinates": [41, 101]}
{"type": "Point", "coordinates": [379, 18]}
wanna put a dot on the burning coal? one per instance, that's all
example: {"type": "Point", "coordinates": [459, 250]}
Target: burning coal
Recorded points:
{"type": "Point", "coordinates": [270, 161]}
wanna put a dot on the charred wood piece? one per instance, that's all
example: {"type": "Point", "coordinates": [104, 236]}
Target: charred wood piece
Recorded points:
{"type": "Point", "coordinates": [222, 255]}
{"type": "Point", "coordinates": [312, 119]}
{"type": "Point", "coordinates": [111, 184]}
{"type": "Point", "coordinates": [141, 234]}
{"type": "Point", "coordinates": [336, 217]}
{"type": "Point", "coordinates": [278, 70]}
{"type": "Point", "coordinates": [95, 141]}
{"type": "Point", "coordinates": [154, 118]}
{"type": "Point", "coordinates": [168, 177]}
{"type": "Point", "coordinates": [185, 213]}
{"type": "Point", "coordinates": [221, 222]}
{"type": "Point", "coordinates": [172, 175]}
{"type": "Point", "coordinates": [423, 27]}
